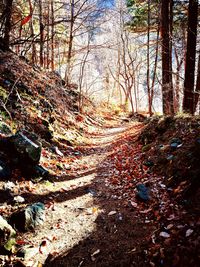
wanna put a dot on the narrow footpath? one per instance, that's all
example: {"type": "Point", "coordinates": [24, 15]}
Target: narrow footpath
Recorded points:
{"type": "Point", "coordinates": [94, 216]}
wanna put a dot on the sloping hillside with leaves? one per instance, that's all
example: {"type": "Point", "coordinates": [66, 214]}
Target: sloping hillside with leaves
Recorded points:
{"type": "Point", "coordinates": [37, 100]}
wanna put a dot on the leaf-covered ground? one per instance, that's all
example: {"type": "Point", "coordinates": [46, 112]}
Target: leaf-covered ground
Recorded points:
{"type": "Point", "coordinates": [93, 215]}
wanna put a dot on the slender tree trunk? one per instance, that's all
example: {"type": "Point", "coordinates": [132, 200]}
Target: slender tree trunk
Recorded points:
{"type": "Point", "coordinates": [148, 60]}
{"type": "Point", "coordinates": [177, 83]}
{"type": "Point", "coordinates": [118, 76]}
{"type": "Point", "coordinates": [155, 67]}
{"type": "Point", "coordinates": [33, 47]}
{"type": "Point", "coordinates": [82, 69]}
{"type": "Point", "coordinates": [197, 90]}
{"type": "Point", "coordinates": [135, 93]}
{"type": "Point", "coordinates": [52, 36]}
{"type": "Point", "coordinates": [48, 23]}
{"type": "Point", "coordinates": [167, 90]}
{"type": "Point", "coordinates": [131, 100]}
{"type": "Point", "coordinates": [41, 34]}
{"type": "Point", "coordinates": [188, 100]}
{"type": "Point", "coordinates": [171, 4]}
{"type": "Point", "coordinates": [70, 45]}
{"type": "Point", "coordinates": [7, 29]}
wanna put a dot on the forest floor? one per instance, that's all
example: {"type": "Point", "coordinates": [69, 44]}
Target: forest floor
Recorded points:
{"type": "Point", "coordinates": [93, 214]}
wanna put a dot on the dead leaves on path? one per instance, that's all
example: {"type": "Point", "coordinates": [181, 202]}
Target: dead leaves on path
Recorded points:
{"type": "Point", "coordinates": [176, 229]}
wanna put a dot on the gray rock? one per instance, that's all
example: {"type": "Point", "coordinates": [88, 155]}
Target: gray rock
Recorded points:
{"type": "Point", "coordinates": [19, 199]}
{"type": "Point", "coordinates": [27, 150]}
{"type": "Point", "coordinates": [143, 192]}
{"type": "Point", "coordinates": [29, 218]}
{"type": "Point", "coordinates": [175, 143]}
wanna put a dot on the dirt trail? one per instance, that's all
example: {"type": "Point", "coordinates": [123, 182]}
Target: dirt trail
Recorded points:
{"type": "Point", "coordinates": [86, 224]}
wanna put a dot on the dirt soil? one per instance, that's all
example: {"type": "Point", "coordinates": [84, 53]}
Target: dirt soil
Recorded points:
{"type": "Point", "coordinates": [93, 214]}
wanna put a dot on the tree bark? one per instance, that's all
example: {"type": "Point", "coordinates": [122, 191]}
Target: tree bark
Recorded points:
{"type": "Point", "coordinates": [52, 35]}
{"type": "Point", "coordinates": [167, 90]}
{"type": "Point", "coordinates": [41, 34]}
{"type": "Point", "coordinates": [197, 90]}
{"type": "Point", "coordinates": [148, 61]}
{"type": "Point", "coordinates": [7, 29]}
{"type": "Point", "coordinates": [188, 100]}
{"type": "Point", "coordinates": [70, 43]}
{"type": "Point", "coordinates": [33, 46]}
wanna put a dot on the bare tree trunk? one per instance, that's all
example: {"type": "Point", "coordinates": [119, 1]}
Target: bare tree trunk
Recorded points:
{"type": "Point", "coordinates": [177, 82]}
{"type": "Point", "coordinates": [118, 76]}
{"type": "Point", "coordinates": [197, 91]}
{"type": "Point", "coordinates": [135, 93]}
{"type": "Point", "coordinates": [48, 23]}
{"type": "Point", "coordinates": [155, 67]}
{"type": "Point", "coordinates": [188, 100]}
{"type": "Point", "coordinates": [148, 61]}
{"type": "Point", "coordinates": [41, 34]}
{"type": "Point", "coordinates": [7, 28]}
{"type": "Point", "coordinates": [171, 4]}
{"type": "Point", "coordinates": [52, 35]}
{"type": "Point", "coordinates": [167, 90]}
{"type": "Point", "coordinates": [70, 45]}
{"type": "Point", "coordinates": [33, 47]}
{"type": "Point", "coordinates": [82, 69]}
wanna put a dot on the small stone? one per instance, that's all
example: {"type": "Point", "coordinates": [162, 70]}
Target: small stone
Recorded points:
{"type": "Point", "coordinates": [143, 192]}
{"type": "Point", "coordinates": [19, 199]}
{"type": "Point", "coordinates": [175, 143]}
{"type": "Point", "coordinates": [170, 226]}
{"type": "Point", "coordinates": [189, 232]}
{"type": "Point", "coordinates": [164, 234]}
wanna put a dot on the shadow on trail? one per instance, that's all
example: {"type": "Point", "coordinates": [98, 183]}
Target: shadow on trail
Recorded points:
{"type": "Point", "coordinates": [69, 177]}
{"type": "Point", "coordinates": [57, 196]}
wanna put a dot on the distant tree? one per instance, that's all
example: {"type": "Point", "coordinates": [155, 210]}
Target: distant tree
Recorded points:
{"type": "Point", "coordinates": [189, 96]}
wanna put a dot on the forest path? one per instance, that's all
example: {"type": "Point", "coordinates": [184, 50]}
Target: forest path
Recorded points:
{"type": "Point", "coordinates": [89, 221]}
